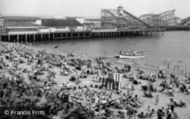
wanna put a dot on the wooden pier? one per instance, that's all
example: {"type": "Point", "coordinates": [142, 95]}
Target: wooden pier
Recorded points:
{"type": "Point", "coordinates": [77, 35]}
{"type": "Point", "coordinates": [176, 28]}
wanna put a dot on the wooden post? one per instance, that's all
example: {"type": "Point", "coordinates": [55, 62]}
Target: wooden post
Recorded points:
{"type": "Point", "coordinates": [71, 35]}
{"type": "Point", "coordinates": [26, 38]}
{"type": "Point", "coordinates": [83, 35]}
{"type": "Point", "coordinates": [49, 36]}
{"type": "Point", "coordinates": [78, 35]}
{"type": "Point", "coordinates": [53, 36]}
{"type": "Point", "coordinates": [34, 38]}
{"type": "Point", "coordinates": [45, 37]}
{"type": "Point", "coordinates": [9, 38]}
{"type": "Point", "coordinates": [41, 37]}
{"type": "Point", "coordinates": [17, 38]}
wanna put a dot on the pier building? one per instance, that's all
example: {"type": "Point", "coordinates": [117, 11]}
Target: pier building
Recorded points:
{"type": "Point", "coordinates": [88, 23]}
{"type": "Point", "coordinates": [21, 25]}
{"type": "Point", "coordinates": [92, 23]}
{"type": "Point", "coordinates": [79, 19]}
{"type": "Point", "coordinates": [113, 23]}
{"type": "Point", "coordinates": [64, 24]}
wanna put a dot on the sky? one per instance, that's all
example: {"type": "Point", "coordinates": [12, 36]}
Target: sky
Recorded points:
{"type": "Point", "coordinates": [90, 8]}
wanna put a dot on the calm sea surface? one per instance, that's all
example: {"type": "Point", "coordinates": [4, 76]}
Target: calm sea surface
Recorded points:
{"type": "Point", "coordinates": [172, 46]}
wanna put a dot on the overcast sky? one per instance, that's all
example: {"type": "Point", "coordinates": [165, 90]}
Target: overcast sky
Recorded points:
{"type": "Point", "coordinates": [90, 8]}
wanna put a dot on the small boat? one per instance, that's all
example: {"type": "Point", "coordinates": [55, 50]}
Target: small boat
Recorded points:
{"type": "Point", "coordinates": [132, 55]}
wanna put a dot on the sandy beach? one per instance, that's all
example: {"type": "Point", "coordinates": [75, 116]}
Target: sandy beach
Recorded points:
{"type": "Point", "coordinates": [69, 63]}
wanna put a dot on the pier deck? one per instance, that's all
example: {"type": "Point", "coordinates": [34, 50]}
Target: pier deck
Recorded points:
{"type": "Point", "coordinates": [100, 33]}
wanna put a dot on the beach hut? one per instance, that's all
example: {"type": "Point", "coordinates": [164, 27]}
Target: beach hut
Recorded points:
{"type": "Point", "coordinates": [113, 81]}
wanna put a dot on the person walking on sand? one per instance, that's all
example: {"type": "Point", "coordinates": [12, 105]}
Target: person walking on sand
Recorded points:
{"type": "Point", "coordinates": [148, 109]}
{"type": "Point", "coordinates": [157, 99]}
{"type": "Point", "coordinates": [172, 105]}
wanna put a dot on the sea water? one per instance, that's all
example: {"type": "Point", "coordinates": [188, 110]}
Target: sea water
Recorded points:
{"type": "Point", "coordinates": [167, 51]}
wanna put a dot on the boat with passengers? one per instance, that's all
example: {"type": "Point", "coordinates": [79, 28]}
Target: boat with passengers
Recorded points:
{"type": "Point", "coordinates": [132, 55]}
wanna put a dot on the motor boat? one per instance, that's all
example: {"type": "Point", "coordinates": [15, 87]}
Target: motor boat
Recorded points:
{"type": "Point", "coordinates": [132, 55]}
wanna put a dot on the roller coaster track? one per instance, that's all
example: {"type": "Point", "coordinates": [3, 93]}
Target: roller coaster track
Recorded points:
{"type": "Point", "coordinates": [137, 19]}
{"type": "Point", "coordinates": [118, 18]}
{"type": "Point", "coordinates": [129, 22]}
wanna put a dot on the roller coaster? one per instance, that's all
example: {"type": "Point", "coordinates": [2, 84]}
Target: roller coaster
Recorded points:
{"type": "Point", "coordinates": [163, 19]}
{"type": "Point", "coordinates": [121, 19]}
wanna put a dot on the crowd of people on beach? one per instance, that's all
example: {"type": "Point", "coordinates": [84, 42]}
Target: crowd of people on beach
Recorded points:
{"type": "Point", "coordinates": [28, 79]}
